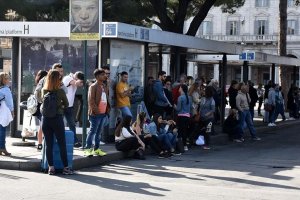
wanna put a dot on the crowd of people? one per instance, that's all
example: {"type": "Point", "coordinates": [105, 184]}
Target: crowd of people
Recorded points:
{"type": "Point", "coordinates": [181, 112]}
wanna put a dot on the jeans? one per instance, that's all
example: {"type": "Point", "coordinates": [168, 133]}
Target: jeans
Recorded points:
{"type": "Point", "coordinates": [69, 115]}
{"type": "Point", "coordinates": [125, 111]}
{"type": "Point", "coordinates": [168, 140]}
{"type": "Point", "coordinates": [2, 136]}
{"type": "Point", "coordinates": [55, 127]}
{"type": "Point", "coordinates": [245, 116]}
{"type": "Point", "coordinates": [97, 123]}
{"type": "Point", "coordinates": [279, 109]}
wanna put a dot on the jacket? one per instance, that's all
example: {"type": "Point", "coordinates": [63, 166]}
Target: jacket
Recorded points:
{"type": "Point", "coordinates": [161, 99]}
{"type": "Point", "coordinates": [271, 97]}
{"type": "Point", "coordinates": [94, 98]}
{"type": "Point", "coordinates": [242, 102]}
{"type": "Point", "coordinates": [182, 106]}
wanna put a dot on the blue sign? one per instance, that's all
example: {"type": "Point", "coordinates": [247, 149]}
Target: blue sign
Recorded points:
{"type": "Point", "coordinates": [110, 29]}
{"type": "Point", "coordinates": [247, 56]}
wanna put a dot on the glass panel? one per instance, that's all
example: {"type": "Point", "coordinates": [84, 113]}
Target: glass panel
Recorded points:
{"type": "Point", "coordinates": [261, 27]}
{"type": "Point", "coordinates": [233, 28]}
{"type": "Point", "coordinates": [206, 28]}
{"type": "Point", "coordinates": [262, 3]}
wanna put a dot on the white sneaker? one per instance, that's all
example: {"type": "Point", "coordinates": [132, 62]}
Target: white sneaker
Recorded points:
{"type": "Point", "coordinates": [270, 124]}
{"type": "Point", "coordinates": [101, 143]}
{"type": "Point", "coordinates": [274, 124]}
{"type": "Point", "coordinates": [185, 148]}
{"type": "Point", "coordinates": [292, 118]}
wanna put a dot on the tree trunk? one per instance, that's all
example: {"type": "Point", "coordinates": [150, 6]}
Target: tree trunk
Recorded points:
{"type": "Point", "coordinates": [282, 46]}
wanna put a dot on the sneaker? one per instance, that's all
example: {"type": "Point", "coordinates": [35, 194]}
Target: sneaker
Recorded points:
{"type": "Point", "coordinates": [99, 152]}
{"type": "Point", "coordinates": [176, 153]}
{"type": "Point", "coordinates": [185, 148]}
{"type": "Point", "coordinates": [164, 155]}
{"type": "Point", "coordinates": [67, 171]}
{"type": "Point", "coordinates": [271, 124]}
{"type": "Point", "coordinates": [101, 143]}
{"type": "Point", "coordinates": [88, 152]}
{"type": "Point", "coordinates": [292, 118]}
{"type": "Point", "coordinates": [51, 171]}
{"type": "Point", "coordinates": [77, 144]}
{"type": "Point", "coordinates": [256, 138]}
{"type": "Point", "coordinates": [238, 140]}
{"type": "Point", "coordinates": [274, 124]}
{"type": "Point", "coordinates": [206, 147]}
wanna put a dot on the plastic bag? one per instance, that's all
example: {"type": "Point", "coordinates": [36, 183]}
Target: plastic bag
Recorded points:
{"type": "Point", "coordinates": [200, 141]}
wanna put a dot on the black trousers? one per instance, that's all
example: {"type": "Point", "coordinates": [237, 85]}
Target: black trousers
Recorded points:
{"type": "Point", "coordinates": [128, 144]}
{"type": "Point", "coordinates": [55, 127]}
{"type": "Point", "coordinates": [183, 127]}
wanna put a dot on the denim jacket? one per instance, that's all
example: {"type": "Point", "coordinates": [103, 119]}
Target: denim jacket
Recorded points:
{"type": "Point", "coordinates": [160, 97]}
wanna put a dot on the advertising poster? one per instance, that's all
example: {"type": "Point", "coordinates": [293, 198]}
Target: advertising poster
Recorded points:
{"type": "Point", "coordinates": [41, 54]}
{"type": "Point", "coordinates": [129, 57]}
{"type": "Point", "coordinates": [85, 19]}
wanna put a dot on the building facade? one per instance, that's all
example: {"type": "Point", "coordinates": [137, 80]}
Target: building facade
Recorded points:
{"type": "Point", "coordinates": [256, 27]}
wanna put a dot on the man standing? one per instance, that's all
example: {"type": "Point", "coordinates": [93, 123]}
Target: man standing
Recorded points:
{"type": "Point", "coordinates": [253, 96]}
{"type": "Point", "coordinates": [123, 94]}
{"type": "Point", "coordinates": [97, 111]}
{"type": "Point", "coordinates": [72, 82]}
{"type": "Point", "coordinates": [161, 101]}
{"type": "Point", "coordinates": [242, 104]}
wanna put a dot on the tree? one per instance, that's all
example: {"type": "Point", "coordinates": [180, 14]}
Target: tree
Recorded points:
{"type": "Point", "coordinates": [282, 44]}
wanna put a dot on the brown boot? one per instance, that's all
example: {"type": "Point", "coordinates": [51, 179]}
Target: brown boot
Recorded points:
{"type": "Point", "coordinates": [4, 152]}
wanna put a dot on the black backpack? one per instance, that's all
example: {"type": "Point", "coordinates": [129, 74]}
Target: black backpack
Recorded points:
{"type": "Point", "coordinates": [49, 106]}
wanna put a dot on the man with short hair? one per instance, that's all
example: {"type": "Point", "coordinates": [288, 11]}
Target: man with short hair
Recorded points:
{"type": "Point", "coordinates": [98, 109]}
{"type": "Point", "coordinates": [72, 82]}
{"type": "Point", "coordinates": [123, 94]}
{"type": "Point", "coordinates": [161, 101]}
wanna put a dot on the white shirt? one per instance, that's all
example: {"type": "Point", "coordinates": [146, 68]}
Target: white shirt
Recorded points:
{"type": "Point", "coordinates": [124, 134]}
{"type": "Point", "coordinates": [71, 89]}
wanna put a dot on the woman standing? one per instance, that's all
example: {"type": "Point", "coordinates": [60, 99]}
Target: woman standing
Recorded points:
{"type": "Point", "coordinates": [5, 96]}
{"type": "Point", "coordinates": [184, 110]}
{"type": "Point", "coordinates": [54, 126]}
{"type": "Point", "coordinates": [41, 74]}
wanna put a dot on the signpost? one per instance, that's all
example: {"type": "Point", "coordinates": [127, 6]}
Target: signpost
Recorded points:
{"type": "Point", "coordinates": [85, 24]}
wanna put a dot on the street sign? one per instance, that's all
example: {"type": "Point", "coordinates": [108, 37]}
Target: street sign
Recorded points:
{"type": "Point", "coordinates": [247, 56]}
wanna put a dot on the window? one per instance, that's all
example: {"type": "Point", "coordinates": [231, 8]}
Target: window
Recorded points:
{"type": "Point", "coordinates": [206, 28]}
{"type": "Point", "coordinates": [291, 27]}
{"type": "Point", "coordinates": [290, 3]}
{"type": "Point", "coordinates": [261, 27]}
{"type": "Point", "coordinates": [262, 3]}
{"type": "Point", "coordinates": [233, 28]}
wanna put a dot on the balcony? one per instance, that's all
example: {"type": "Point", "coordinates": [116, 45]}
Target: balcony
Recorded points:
{"type": "Point", "coordinates": [250, 38]}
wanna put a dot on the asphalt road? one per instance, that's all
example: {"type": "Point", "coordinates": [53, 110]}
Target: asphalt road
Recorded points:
{"type": "Point", "coordinates": [261, 170]}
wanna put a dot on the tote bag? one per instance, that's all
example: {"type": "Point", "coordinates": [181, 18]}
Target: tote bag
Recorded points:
{"type": "Point", "coordinates": [5, 117]}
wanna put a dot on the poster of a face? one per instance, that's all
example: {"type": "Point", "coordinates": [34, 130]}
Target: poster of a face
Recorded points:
{"type": "Point", "coordinates": [85, 19]}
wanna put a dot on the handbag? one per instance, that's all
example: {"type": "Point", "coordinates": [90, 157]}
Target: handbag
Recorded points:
{"type": "Point", "coordinates": [6, 116]}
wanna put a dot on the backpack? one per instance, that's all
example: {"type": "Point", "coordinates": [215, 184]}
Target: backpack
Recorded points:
{"type": "Point", "coordinates": [49, 105]}
{"type": "Point", "coordinates": [32, 104]}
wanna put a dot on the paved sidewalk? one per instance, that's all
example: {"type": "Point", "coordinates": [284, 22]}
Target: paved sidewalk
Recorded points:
{"type": "Point", "coordinates": [29, 159]}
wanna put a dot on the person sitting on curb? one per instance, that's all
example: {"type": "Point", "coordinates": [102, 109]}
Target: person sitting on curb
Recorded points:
{"type": "Point", "coordinates": [140, 127]}
{"type": "Point", "coordinates": [160, 128]}
{"type": "Point", "coordinates": [126, 139]}
{"type": "Point", "coordinates": [231, 126]}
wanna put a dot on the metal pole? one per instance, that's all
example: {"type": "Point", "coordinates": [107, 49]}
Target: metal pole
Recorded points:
{"type": "Point", "coordinates": [15, 83]}
{"type": "Point", "coordinates": [223, 87]}
{"type": "Point", "coordinates": [273, 73]}
{"type": "Point", "coordinates": [84, 99]}
{"type": "Point", "coordinates": [245, 71]}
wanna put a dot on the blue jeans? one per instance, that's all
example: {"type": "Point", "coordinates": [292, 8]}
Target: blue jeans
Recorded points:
{"type": "Point", "coordinates": [69, 115]}
{"type": "Point", "coordinates": [97, 123]}
{"type": "Point", "coordinates": [2, 136]}
{"type": "Point", "coordinates": [245, 116]}
{"type": "Point", "coordinates": [168, 140]}
{"type": "Point", "coordinates": [125, 111]}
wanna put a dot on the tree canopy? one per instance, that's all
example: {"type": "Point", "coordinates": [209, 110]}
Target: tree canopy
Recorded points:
{"type": "Point", "coordinates": [169, 15]}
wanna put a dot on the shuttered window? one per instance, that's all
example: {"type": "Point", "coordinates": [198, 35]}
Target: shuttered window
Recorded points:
{"type": "Point", "coordinates": [292, 27]}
